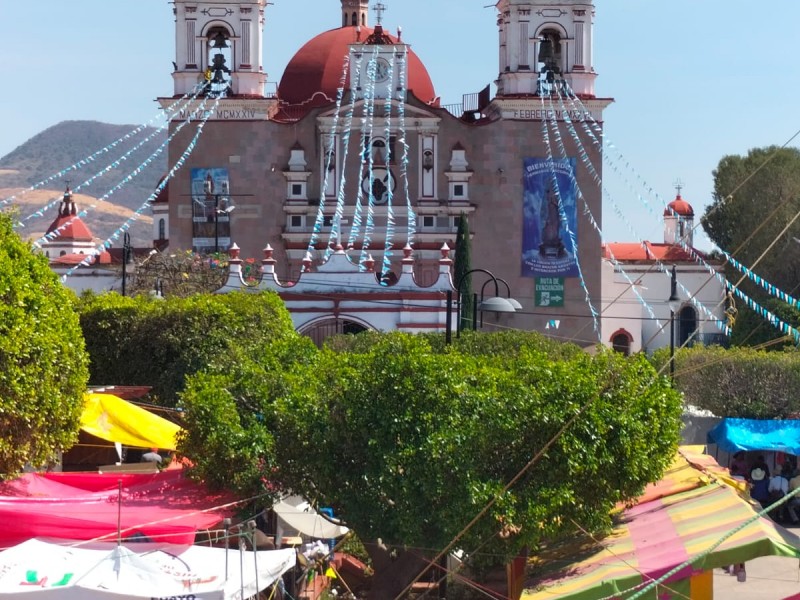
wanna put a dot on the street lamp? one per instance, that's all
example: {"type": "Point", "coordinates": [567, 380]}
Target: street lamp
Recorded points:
{"type": "Point", "coordinates": [127, 251]}
{"type": "Point", "coordinates": [222, 206]}
{"type": "Point", "coordinates": [674, 304]}
{"type": "Point", "coordinates": [495, 303]}
{"type": "Point", "coordinates": [498, 301]}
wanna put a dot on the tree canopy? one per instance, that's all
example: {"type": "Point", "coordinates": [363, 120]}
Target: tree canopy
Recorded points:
{"type": "Point", "coordinates": [145, 341]}
{"type": "Point", "coordinates": [43, 363]}
{"type": "Point", "coordinates": [407, 443]}
{"type": "Point", "coordinates": [747, 189]}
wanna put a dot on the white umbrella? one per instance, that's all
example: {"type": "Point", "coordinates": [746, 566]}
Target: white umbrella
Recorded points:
{"type": "Point", "coordinates": [38, 569]}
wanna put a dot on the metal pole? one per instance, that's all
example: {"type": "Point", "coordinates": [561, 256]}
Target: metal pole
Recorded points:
{"type": "Point", "coordinates": [126, 247]}
{"type": "Point", "coordinates": [119, 512]}
{"type": "Point", "coordinates": [474, 311]}
{"type": "Point", "coordinates": [216, 224]}
{"type": "Point", "coordinates": [448, 334]}
{"type": "Point", "coordinates": [227, 525]}
{"type": "Point", "coordinates": [672, 345]}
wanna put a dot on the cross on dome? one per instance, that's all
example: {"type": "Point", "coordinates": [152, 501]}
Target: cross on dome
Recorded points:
{"type": "Point", "coordinates": [379, 9]}
{"type": "Point", "coordinates": [678, 185]}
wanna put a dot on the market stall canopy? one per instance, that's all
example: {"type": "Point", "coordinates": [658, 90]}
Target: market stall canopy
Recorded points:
{"type": "Point", "coordinates": [113, 419]}
{"type": "Point", "coordinates": [39, 569]}
{"type": "Point", "coordinates": [679, 519]}
{"type": "Point", "coordinates": [732, 435]}
{"type": "Point", "coordinates": [165, 506]}
{"type": "Point", "coordinates": [307, 521]}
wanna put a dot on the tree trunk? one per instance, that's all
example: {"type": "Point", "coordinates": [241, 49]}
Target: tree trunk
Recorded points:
{"type": "Point", "coordinates": [395, 569]}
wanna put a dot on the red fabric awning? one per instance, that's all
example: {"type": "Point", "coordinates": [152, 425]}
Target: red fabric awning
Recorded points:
{"type": "Point", "coordinates": [164, 507]}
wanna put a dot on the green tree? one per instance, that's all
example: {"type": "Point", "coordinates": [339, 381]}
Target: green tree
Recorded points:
{"type": "Point", "coordinates": [462, 264]}
{"type": "Point", "coordinates": [43, 363]}
{"type": "Point", "coordinates": [180, 273]}
{"type": "Point", "coordinates": [747, 189]}
{"type": "Point", "coordinates": [143, 341]}
{"type": "Point", "coordinates": [408, 443]}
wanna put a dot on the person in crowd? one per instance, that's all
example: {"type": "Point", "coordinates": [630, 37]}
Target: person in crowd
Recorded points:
{"type": "Point", "coordinates": [778, 488]}
{"type": "Point", "coordinates": [759, 484]}
{"type": "Point", "coordinates": [739, 462]}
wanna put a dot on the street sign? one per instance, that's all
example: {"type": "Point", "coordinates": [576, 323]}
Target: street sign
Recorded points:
{"type": "Point", "coordinates": [549, 291]}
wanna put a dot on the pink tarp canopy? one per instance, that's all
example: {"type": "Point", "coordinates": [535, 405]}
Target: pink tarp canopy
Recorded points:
{"type": "Point", "coordinates": [164, 507]}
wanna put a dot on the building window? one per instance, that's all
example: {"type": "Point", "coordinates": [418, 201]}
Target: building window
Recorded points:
{"type": "Point", "coordinates": [456, 222]}
{"type": "Point", "coordinates": [296, 221]}
{"type": "Point", "coordinates": [354, 20]}
{"type": "Point", "coordinates": [297, 189]}
{"type": "Point", "coordinates": [327, 221]}
{"type": "Point", "coordinates": [458, 190]}
{"type": "Point", "coordinates": [162, 229]}
{"type": "Point", "coordinates": [428, 221]}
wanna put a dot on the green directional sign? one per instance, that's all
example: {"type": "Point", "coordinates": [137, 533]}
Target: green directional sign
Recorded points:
{"type": "Point", "coordinates": [549, 291]}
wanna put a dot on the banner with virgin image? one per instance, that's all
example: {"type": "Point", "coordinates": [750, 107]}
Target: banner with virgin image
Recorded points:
{"type": "Point", "coordinates": [549, 215]}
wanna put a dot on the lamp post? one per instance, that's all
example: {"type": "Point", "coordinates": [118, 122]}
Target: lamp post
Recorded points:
{"type": "Point", "coordinates": [221, 198]}
{"type": "Point", "coordinates": [674, 305]}
{"type": "Point", "coordinates": [126, 255]}
{"type": "Point", "coordinates": [495, 303]}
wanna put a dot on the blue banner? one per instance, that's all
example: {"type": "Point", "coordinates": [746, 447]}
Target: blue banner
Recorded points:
{"type": "Point", "coordinates": [549, 215]}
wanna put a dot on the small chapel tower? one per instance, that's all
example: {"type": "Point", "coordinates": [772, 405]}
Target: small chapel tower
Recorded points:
{"type": "Point", "coordinates": [545, 38]}
{"type": "Point", "coordinates": [219, 41]}
{"type": "Point", "coordinates": [355, 13]}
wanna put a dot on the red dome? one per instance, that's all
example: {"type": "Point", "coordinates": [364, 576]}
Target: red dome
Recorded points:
{"type": "Point", "coordinates": [70, 228]}
{"type": "Point", "coordinates": [317, 69]}
{"type": "Point", "coordinates": [679, 207]}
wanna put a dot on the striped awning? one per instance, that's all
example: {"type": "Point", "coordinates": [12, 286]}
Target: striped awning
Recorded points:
{"type": "Point", "coordinates": [681, 518]}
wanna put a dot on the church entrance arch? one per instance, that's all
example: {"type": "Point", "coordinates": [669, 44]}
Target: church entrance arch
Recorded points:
{"type": "Point", "coordinates": [322, 329]}
{"type": "Point", "coordinates": [687, 325]}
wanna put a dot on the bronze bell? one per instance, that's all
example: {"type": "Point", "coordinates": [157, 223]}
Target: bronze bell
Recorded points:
{"type": "Point", "coordinates": [545, 51]}
{"type": "Point", "coordinates": [220, 41]}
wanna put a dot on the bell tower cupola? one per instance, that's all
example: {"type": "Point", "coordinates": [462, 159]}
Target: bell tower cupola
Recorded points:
{"type": "Point", "coordinates": [679, 221]}
{"type": "Point", "coordinates": [543, 43]}
{"type": "Point", "coordinates": [355, 13]}
{"type": "Point", "coordinates": [220, 42]}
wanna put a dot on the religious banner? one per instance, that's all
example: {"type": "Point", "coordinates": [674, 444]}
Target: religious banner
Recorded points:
{"type": "Point", "coordinates": [550, 217]}
{"type": "Point", "coordinates": [211, 206]}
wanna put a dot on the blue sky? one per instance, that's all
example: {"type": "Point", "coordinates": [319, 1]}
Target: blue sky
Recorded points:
{"type": "Point", "coordinates": [693, 80]}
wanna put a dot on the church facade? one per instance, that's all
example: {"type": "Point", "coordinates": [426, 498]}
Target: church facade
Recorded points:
{"type": "Point", "coordinates": [355, 150]}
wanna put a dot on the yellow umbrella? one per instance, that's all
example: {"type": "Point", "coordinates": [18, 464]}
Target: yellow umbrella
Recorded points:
{"type": "Point", "coordinates": [111, 418]}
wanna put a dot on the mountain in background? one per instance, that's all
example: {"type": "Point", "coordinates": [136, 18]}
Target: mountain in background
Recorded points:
{"type": "Point", "coordinates": [69, 142]}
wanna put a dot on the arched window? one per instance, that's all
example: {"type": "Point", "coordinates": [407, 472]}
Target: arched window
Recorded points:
{"type": "Point", "coordinates": [687, 325]}
{"type": "Point", "coordinates": [621, 342]}
{"type": "Point", "coordinates": [354, 19]}
{"type": "Point", "coordinates": [62, 253]}
{"type": "Point", "coordinates": [344, 20]}
{"type": "Point", "coordinates": [363, 19]}
{"type": "Point", "coordinates": [162, 229]}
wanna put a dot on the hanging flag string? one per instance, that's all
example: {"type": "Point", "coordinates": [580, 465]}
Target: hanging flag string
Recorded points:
{"type": "Point", "coordinates": [355, 228]}
{"type": "Point", "coordinates": [387, 252]}
{"type": "Point", "coordinates": [772, 290]}
{"type": "Point", "coordinates": [580, 109]}
{"type": "Point", "coordinates": [340, 196]}
{"type": "Point", "coordinates": [61, 228]}
{"type": "Point", "coordinates": [85, 161]}
{"type": "Point", "coordinates": [563, 215]}
{"type": "Point", "coordinates": [588, 212]}
{"type": "Point", "coordinates": [411, 227]}
{"type": "Point", "coordinates": [330, 154]}
{"type": "Point", "coordinates": [176, 167]}
{"type": "Point", "coordinates": [42, 211]}
{"type": "Point", "coordinates": [370, 222]}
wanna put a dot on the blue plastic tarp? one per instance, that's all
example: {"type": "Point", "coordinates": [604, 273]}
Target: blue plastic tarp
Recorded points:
{"type": "Point", "coordinates": [732, 435]}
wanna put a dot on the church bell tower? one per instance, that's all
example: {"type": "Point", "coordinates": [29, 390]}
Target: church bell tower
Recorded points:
{"type": "Point", "coordinates": [220, 42]}
{"type": "Point", "coordinates": [541, 36]}
{"type": "Point", "coordinates": [355, 13]}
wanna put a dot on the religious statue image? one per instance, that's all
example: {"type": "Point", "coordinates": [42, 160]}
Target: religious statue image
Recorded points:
{"type": "Point", "coordinates": [552, 246]}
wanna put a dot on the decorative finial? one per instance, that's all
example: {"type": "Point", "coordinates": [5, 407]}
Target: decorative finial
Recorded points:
{"type": "Point", "coordinates": [678, 186]}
